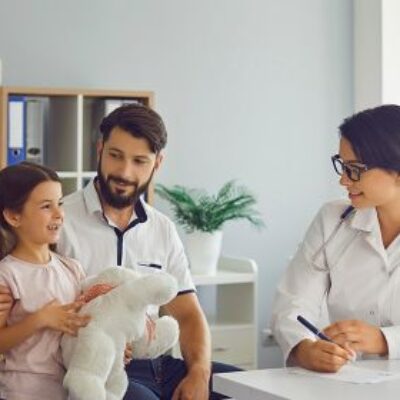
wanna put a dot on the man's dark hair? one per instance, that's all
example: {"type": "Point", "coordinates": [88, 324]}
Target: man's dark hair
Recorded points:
{"type": "Point", "coordinates": [374, 135]}
{"type": "Point", "coordinates": [140, 121]}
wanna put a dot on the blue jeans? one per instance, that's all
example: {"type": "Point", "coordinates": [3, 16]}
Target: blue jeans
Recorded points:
{"type": "Point", "coordinates": [157, 379]}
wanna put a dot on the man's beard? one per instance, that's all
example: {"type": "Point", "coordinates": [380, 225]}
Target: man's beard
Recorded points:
{"type": "Point", "coordinates": [117, 200]}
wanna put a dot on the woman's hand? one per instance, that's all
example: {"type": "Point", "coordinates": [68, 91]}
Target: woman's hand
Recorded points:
{"type": "Point", "coordinates": [360, 335]}
{"type": "Point", "coordinates": [63, 318]}
{"type": "Point", "coordinates": [321, 355]}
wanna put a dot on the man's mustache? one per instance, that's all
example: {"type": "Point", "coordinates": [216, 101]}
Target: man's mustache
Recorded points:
{"type": "Point", "coordinates": [123, 181]}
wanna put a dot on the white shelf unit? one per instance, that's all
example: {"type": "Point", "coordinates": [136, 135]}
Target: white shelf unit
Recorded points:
{"type": "Point", "coordinates": [71, 118]}
{"type": "Point", "coordinates": [229, 301]}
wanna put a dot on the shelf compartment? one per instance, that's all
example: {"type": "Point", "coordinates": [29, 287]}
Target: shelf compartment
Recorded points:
{"type": "Point", "coordinates": [233, 345]}
{"type": "Point", "coordinates": [69, 185]}
{"type": "Point", "coordinates": [61, 125]}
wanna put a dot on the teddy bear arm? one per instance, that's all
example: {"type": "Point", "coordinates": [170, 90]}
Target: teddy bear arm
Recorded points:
{"type": "Point", "coordinates": [166, 335]}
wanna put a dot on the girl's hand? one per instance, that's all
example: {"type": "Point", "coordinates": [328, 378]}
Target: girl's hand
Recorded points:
{"type": "Point", "coordinates": [321, 355]}
{"type": "Point", "coordinates": [63, 318]}
{"type": "Point", "coordinates": [360, 335]}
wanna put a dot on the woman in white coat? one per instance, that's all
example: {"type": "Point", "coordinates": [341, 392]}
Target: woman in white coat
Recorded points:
{"type": "Point", "coordinates": [350, 256]}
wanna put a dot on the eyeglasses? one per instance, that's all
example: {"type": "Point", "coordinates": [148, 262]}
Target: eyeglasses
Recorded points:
{"type": "Point", "coordinates": [352, 169]}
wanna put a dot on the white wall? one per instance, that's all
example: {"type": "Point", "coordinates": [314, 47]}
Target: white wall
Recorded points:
{"type": "Point", "coordinates": [391, 51]}
{"type": "Point", "coordinates": [377, 53]}
{"type": "Point", "coordinates": [249, 89]}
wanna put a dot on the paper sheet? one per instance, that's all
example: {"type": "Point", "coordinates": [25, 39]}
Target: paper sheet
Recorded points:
{"type": "Point", "coordinates": [351, 373]}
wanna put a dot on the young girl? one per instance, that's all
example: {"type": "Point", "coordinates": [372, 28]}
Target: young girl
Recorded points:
{"type": "Point", "coordinates": [43, 285]}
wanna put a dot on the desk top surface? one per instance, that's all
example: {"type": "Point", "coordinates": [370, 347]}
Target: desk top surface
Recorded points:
{"type": "Point", "coordinates": [269, 385]}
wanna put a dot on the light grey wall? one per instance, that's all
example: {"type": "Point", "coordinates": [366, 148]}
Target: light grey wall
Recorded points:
{"type": "Point", "coordinates": [249, 89]}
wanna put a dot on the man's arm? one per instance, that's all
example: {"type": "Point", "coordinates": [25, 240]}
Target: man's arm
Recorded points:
{"type": "Point", "coordinates": [195, 346]}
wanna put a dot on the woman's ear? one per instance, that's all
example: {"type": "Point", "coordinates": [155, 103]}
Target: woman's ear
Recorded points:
{"type": "Point", "coordinates": [12, 218]}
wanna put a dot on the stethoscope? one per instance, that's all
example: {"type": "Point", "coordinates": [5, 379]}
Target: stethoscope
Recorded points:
{"type": "Point", "coordinates": [346, 214]}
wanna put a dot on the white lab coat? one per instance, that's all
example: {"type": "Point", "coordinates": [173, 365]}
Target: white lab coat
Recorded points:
{"type": "Point", "coordinates": [354, 273]}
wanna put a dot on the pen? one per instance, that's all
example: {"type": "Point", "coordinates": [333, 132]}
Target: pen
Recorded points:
{"type": "Point", "coordinates": [312, 328]}
{"type": "Point", "coordinates": [321, 335]}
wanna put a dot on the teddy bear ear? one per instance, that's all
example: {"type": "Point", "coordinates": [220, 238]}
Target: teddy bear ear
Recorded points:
{"type": "Point", "coordinates": [114, 276]}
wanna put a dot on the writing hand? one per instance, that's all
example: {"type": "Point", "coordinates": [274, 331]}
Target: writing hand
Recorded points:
{"type": "Point", "coordinates": [321, 355]}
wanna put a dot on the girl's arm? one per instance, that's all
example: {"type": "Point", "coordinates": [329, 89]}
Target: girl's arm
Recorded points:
{"type": "Point", "coordinates": [6, 299]}
{"type": "Point", "coordinates": [63, 318]}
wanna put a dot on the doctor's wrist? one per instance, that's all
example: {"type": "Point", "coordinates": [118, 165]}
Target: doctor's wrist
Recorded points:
{"type": "Point", "coordinates": [300, 353]}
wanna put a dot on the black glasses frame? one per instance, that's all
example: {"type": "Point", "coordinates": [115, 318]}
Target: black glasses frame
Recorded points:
{"type": "Point", "coordinates": [353, 171]}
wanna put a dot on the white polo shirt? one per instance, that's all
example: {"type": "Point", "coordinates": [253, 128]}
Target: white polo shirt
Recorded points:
{"type": "Point", "coordinates": [149, 243]}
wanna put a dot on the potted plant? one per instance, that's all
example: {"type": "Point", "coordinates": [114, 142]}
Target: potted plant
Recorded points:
{"type": "Point", "coordinates": [202, 216]}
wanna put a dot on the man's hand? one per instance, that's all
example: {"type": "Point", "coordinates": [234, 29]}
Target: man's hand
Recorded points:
{"type": "Point", "coordinates": [150, 329]}
{"type": "Point", "coordinates": [128, 353]}
{"type": "Point", "coordinates": [360, 335]}
{"type": "Point", "coordinates": [6, 299]}
{"type": "Point", "coordinates": [194, 386]}
{"type": "Point", "coordinates": [195, 346]}
{"type": "Point", "coordinates": [321, 355]}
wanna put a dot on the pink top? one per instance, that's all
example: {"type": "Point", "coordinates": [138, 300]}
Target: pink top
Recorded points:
{"type": "Point", "coordinates": [33, 370]}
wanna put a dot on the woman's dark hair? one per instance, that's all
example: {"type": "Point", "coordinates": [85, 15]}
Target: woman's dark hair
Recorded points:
{"type": "Point", "coordinates": [140, 121]}
{"type": "Point", "coordinates": [374, 135]}
{"type": "Point", "coordinates": [16, 184]}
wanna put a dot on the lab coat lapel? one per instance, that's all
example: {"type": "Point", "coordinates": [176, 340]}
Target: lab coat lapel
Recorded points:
{"type": "Point", "coordinates": [393, 254]}
{"type": "Point", "coordinates": [366, 219]}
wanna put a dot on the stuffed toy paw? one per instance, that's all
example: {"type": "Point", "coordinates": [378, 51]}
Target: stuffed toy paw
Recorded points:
{"type": "Point", "coordinates": [117, 300]}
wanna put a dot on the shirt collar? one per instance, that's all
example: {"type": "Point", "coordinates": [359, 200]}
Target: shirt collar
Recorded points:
{"type": "Point", "coordinates": [91, 197]}
{"type": "Point", "coordinates": [93, 203]}
{"type": "Point", "coordinates": [365, 219]}
{"type": "Point", "coordinates": [140, 211]}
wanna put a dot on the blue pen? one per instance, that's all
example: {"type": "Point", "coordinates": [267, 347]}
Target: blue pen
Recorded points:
{"type": "Point", "coordinates": [319, 334]}
{"type": "Point", "coordinates": [312, 328]}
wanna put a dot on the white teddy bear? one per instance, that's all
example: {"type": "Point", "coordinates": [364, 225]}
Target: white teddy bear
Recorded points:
{"type": "Point", "coordinates": [94, 359]}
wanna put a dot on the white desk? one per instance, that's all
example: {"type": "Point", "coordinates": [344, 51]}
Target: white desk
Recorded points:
{"type": "Point", "coordinates": [265, 385]}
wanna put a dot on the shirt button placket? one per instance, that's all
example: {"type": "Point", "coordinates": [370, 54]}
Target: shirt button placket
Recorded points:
{"type": "Point", "coordinates": [373, 316]}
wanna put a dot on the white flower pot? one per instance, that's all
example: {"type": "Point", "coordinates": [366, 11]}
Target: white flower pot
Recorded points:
{"type": "Point", "coordinates": [203, 250]}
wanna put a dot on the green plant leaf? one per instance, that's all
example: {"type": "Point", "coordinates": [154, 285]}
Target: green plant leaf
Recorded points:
{"type": "Point", "coordinates": [194, 209]}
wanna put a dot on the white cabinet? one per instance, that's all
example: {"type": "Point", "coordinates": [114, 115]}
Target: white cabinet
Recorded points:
{"type": "Point", "coordinates": [229, 302]}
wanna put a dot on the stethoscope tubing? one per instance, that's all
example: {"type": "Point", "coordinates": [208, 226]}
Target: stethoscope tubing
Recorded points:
{"type": "Point", "coordinates": [343, 217]}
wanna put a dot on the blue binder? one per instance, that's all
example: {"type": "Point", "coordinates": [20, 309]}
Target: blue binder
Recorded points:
{"type": "Point", "coordinates": [16, 151]}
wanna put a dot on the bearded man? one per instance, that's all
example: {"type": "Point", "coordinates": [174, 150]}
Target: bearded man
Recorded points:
{"type": "Point", "coordinates": [108, 223]}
